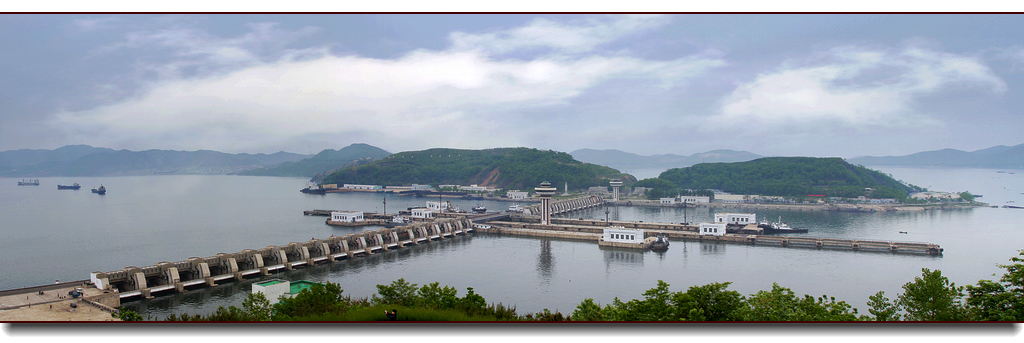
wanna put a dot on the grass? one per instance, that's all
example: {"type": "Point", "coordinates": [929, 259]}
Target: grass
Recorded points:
{"type": "Point", "coordinates": [376, 313]}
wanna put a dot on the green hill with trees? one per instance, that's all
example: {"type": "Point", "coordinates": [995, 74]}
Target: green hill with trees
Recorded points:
{"type": "Point", "coordinates": [785, 176]}
{"type": "Point", "coordinates": [508, 168]}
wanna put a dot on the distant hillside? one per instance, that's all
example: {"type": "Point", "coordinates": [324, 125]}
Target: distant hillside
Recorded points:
{"type": "Point", "coordinates": [624, 160]}
{"type": "Point", "coordinates": [326, 161]}
{"type": "Point", "coordinates": [995, 157]}
{"type": "Point", "coordinates": [788, 176]}
{"type": "Point", "coordinates": [509, 168]}
{"type": "Point", "coordinates": [84, 160]}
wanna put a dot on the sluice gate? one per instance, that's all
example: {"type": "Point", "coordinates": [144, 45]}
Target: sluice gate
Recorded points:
{"type": "Point", "coordinates": [209, 271]}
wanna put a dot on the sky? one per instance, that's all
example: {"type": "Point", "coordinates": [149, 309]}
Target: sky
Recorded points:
{"type": "Point", "coordinates": [825, 85]}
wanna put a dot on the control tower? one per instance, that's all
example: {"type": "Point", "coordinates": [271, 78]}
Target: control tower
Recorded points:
{"type": "Point", "coordinates": [545, 191]}
{"type": "Point", "coordinates": [615, 183]}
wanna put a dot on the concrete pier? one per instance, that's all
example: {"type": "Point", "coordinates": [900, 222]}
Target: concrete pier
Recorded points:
{"type": "Point", "coordinates": [167, 277]}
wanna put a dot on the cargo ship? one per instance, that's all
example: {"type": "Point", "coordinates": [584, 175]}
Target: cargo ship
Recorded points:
{"type": "Point", "coordinates": [102, 190]}
{"type": "Point", "coordinates": [74, 186]}
{"type": "Point", "coordinates": [24, 182]}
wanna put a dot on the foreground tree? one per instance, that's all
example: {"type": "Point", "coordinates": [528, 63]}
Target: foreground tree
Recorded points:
{"type": "Point", "coordinates": [932, 297]}
{"type": "Point", "coordinates": [1003, 300]}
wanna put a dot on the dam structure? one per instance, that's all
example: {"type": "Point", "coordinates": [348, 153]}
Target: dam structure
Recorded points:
{"type": "Point", "coordinates": [208, 271]}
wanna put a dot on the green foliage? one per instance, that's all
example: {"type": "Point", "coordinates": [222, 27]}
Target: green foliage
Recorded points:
{"type": "Point", "coordinates": [257, 307]}
{"type": "Point", "coordinates": [711, 302]}
{"type": "Point", "coordinates": [126, 315]}
{"type": "Point", "coordinates": [882, 308]}
{"type": "Point", "coordinates": [932, 297]}
{"type": "Point", "coordinates": [967, 196]}
{"type": "Point", "coordinates": [509, 168]}
{"type": "Point", "coordinates": [1003, 300]}
{"type": "Point", "coordinates": [781, 304]}
{"type": "Point", "coordinates": [587, 311]}
{"type": "Point", "coordinates": [318, 299]}
{"type": "Point", "coordinates": [787, 176]}
{"type": "Point", "coordinates": [400, 292]}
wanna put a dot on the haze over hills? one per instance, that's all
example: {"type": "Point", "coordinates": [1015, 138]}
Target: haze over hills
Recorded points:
{"type": "Point", "coordinates": [1000, 156]}
{"type": "Point", "coordinates": [84, 160]}
{"type": "Point", "coordinates": [625, 161]}
{"type": "Point", "coordinates": [324, 162]}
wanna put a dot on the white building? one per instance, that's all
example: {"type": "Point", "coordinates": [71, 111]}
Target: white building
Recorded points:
{"type": "Point", "coordinates": [274, 289]}
{"type": "Point", "coordinates": [730, 198]}
{"type": "Point", "coordinates": [347, 216]}
{"type": "Point", "coordinates": [736, 218]}
{"type": "Point", "coordinates": [694, 199]}
{"type": "Point", "coordinates": [422, 212]}
{"type": "Point", "coordinates": [668, 201]}
{"type": "Point", "coordinates": [362, 187]}
{"type": "Point", "coordinates": [712, 229]}
{"type": "Point", "coordinates": [475, 188]}
{"type": "Point", "coordinates": [516, 195]}
{"type": "Point", "coordinates": [623, 235]}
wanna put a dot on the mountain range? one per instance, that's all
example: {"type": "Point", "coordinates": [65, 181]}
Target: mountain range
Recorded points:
{"type": "Point", "coordinates": [84, 160]}
{"type": "Point", "coordinates": [626, 161]}
{"type": "Point", "coordinates": [1000, 156]}
{"type": "Point", "coordinates": [325, 162]}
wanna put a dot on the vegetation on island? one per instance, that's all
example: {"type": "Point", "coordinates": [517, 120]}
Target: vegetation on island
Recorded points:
{"type": "Point", "coordinates": [929, 297]}
{"type": "Point", "coordinates": [783, 176]}
{"type": "Point", "coordinates": [507, 168]}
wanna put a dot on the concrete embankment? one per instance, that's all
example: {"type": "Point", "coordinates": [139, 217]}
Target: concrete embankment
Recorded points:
{"type": "Point", "coordinates": [53, 303]}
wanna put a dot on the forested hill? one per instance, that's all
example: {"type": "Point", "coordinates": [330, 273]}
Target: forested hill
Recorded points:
{"type": "Point", "coordinates": [509, 168]}
{"type": "Point", "coordinates": [788, 176]}
{"type": "Point", "coordinates": [326, 161]}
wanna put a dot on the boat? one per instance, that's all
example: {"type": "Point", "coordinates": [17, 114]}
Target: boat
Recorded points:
{"type": "Point", "coordinates": [398, 221]}
{"type": "Point", "coordinates": [1013, 206]}
{"type": "Point", "coordinates": [311, 190]}
{"type": "Point", "coordinates": [779, 227]}
{"type": "Point", "coordinates": [24, 182]}
{"type": "Point", "coordinates": [74, 186]}
{"type": "Point", "coordinates": [661, 244]}
{"type": "Point", "coordinates": [480, 209]}
{"type": "Point", "coordinates": [515, 208]}
{"type": "Point", "coordinates": [102, 190]}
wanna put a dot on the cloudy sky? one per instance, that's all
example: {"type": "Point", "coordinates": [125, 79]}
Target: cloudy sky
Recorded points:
{"type": "Point", "coordinates": [781, 85]}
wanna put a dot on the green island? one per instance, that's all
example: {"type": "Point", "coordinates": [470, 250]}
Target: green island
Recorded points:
{"type": "Point", "coordinates": [929, 297]}
{"type": "Point", "coordinates": [795, 177]}
{"type": "Point", "coordinates": [508, 168]}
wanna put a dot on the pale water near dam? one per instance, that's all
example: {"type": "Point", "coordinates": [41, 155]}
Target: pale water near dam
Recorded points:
{"type": "Point", "coordinates": [50, 234]}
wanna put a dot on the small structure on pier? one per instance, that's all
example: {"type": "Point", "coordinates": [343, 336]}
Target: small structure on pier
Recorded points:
{"type": "Point", "coordinates": [274, 289]}
{"type": "Point", "coordinates": [736, 218]}
{"type": "Point", "coordinates": [545, 191]}
{"type": "Point", "coordinates": [625, 238]}
{"type": "Point", "coordinates": [347, 216]}
{"type": "Point", "coordinates": [615, 183]}
{"type": "Point", "coordinates": [712, 229]}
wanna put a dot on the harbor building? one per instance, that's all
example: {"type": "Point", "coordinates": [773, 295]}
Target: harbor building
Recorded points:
{"type": "Point", "coordinates": [694, 199]}
{"type": "Point", "coordinates": [712, 229]}
{"type": "Point", "coordinates": [736, 218]}
{"type": "Point", "coordinates": [275, 289]}
{"type": "Point", "coordinates": [545, 191]}
{"type": "Point", "coordinates": [623, 235]}
{"type": "Point", "coordinates": [422, 213]}
{"type": "Point", "coordinates": [516, 195]}
{"type": "Point", "coordinates": [347, 216]}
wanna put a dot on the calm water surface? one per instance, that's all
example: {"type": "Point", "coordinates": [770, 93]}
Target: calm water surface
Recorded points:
{"type": "Point", "coordinates": [50, 234]}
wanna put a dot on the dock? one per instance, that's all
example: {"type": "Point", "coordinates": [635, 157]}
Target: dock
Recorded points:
{"type": "Point", "coordinates": [170, 277]}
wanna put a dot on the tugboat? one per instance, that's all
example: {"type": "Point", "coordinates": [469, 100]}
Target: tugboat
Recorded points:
{"type": "Point", "coordinates": [480, 209]}
{"type": "Point", "coordinates": [74, 186]}
{"type": "Point", "coordinates": [101, 191]}
{"type": "Point", "coordinates": [779, 227]}
{"type": "Point", "coordinates": [24, 182]}
{"type": "Point", "coordinates": [311, 190]}
{"type": "Point", "coordinates": [661, 244]}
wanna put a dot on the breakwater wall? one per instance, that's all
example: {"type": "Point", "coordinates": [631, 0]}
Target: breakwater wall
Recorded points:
{"type": "Point", "coordinates": [208, 271]}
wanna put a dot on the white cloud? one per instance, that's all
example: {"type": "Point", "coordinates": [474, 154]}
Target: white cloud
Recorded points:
{"type": "Point", "coordinates": [854, 86]}
{"type": "Point", "coordinates": [450, 96]}
{"type": "Point", "coordinates": [561, 37]}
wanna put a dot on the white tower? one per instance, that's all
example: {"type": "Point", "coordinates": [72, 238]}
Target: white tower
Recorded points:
{"type": "Point", "coordinates": [566, 189]}
{"type": "Point", "coordinates": [615, 183]}
{"type": "Point", "coordinates": [545, 191]}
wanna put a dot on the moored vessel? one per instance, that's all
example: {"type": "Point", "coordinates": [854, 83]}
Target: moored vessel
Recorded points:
{"type": "Point", "coordinates": [661, 244]}
{"type": "Point", "coordinates": [74, 186]}
{"type": "Point", "coordinates": [102, 190]}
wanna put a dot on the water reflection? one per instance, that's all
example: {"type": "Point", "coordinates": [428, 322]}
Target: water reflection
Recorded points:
{"type": "Point", "coordinates": [712, 248]}
{"type": "Point", "coordinates": [545, 260]}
